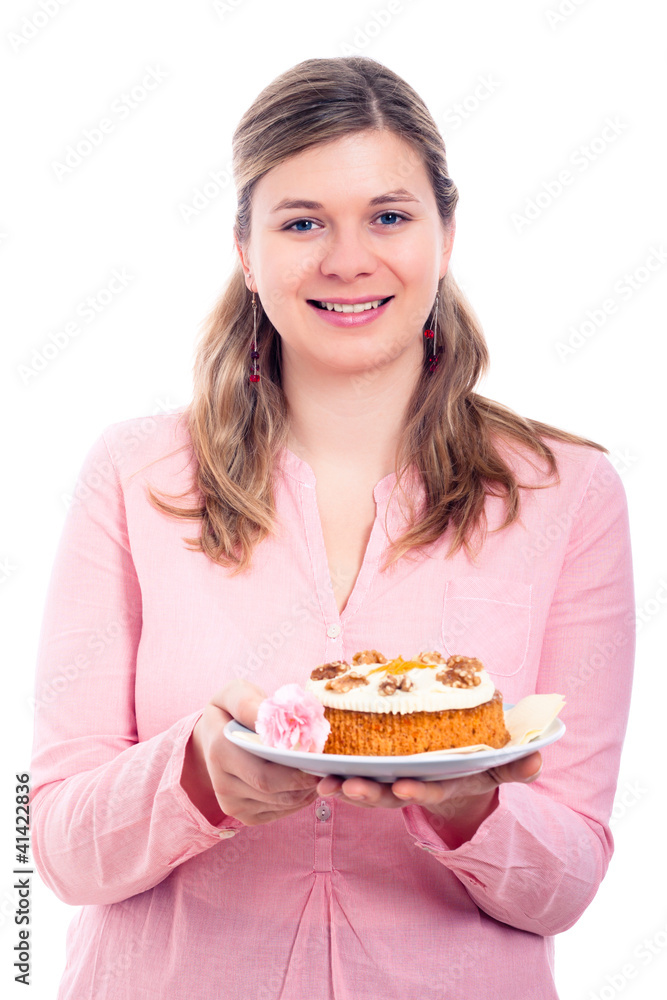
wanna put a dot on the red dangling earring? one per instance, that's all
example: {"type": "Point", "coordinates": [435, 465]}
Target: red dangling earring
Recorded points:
{"type": "Point", "coordinates": [431, 335]}
{"type": "Point", "coordinates": [254, 353]}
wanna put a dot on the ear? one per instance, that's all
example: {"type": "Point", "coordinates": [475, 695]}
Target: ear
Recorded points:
{"type": "Point", "coordinates": [448, 245]}
{"type": "Point", "coordinates": [246, 269]}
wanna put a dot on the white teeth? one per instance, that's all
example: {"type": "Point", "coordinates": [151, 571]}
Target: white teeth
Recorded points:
{"type": "Point", "coordinates": [358, 307]}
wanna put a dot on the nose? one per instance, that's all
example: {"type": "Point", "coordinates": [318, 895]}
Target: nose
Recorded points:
{"type": "Point", "coordinates": [347, 255]}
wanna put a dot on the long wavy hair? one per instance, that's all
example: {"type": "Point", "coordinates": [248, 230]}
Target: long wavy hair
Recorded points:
{"type": "Point", "coordinates": [237, 427]}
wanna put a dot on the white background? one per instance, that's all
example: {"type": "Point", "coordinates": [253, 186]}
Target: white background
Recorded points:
{"type": "Point", "coordinates": [552, 82]}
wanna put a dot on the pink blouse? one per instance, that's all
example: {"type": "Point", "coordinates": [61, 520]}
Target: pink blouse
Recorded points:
{"type": "Point", "coordinates": [335, 901]}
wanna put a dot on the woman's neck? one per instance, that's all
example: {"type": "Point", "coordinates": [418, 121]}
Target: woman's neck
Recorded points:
{"type": "Point", "coordinates": [351, 423]}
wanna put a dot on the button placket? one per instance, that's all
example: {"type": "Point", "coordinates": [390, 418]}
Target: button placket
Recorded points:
{"type": "Point", "coordinates": [323, 836]}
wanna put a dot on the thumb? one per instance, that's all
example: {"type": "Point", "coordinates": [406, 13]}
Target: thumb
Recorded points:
{"type": "Point", "coordinates": [524, 770]}
{"type": "Point", "coordinates": [240, 699]}
{"type": "Point", "coordinates": [528, 768]}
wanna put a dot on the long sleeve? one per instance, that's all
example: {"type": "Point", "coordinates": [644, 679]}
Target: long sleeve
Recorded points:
{"type": "Point", "coordinates": [109, 816]}
{"type": "Point", "coordinates": [537, 861]}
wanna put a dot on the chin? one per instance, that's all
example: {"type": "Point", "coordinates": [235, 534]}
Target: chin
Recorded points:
{"type": "Point", "coordinates": [360, 371]}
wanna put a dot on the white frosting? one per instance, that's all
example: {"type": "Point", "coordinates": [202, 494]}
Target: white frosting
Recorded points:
{"type": "Point", "coordinates": [427, 694]}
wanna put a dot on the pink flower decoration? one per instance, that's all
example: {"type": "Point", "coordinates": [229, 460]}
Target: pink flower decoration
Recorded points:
{"type": "Point", "coordinates": [292, 719]}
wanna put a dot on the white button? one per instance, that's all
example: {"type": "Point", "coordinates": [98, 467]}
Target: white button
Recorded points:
{"type": "Point", "coordinates": [333, 631]}
{"type": "Point", "coordinates": [323, 811]}
{"type": "Point", "coordinates": [226, 834]}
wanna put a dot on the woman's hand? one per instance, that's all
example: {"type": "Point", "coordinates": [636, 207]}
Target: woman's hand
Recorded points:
{"type": "Point", "coordinates": [457, 807]}
{"type": "Point", "coordinates": [220, 778]}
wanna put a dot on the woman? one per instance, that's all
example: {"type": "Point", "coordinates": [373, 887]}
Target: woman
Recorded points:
{"type": "Point", "coordinates": [350, 490]}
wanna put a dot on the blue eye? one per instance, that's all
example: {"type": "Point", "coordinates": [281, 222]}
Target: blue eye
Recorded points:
{"type": "Point", "coordinates": [394, 214]}
{"type": "Point", "coordinates": [307, 225]}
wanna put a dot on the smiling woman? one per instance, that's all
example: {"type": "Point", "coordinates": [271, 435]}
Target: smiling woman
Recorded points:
{"type": "Point", "coordinates": [351, 491]}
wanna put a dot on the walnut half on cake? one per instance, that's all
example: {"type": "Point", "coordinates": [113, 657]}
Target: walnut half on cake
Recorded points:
{"type": "Point", "coordinates": [387, 707]}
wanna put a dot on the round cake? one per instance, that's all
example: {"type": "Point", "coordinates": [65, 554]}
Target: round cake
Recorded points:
{"type": "Point", "coordinates": [380, 707]}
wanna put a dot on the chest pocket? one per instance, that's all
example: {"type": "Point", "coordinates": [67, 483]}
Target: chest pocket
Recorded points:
{"type": "Point", "coordinates": [490, 619]}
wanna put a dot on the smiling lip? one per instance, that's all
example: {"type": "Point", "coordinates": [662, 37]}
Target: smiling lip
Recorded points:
{"type": "Point", "coordinates": [352, 302]}
{"type": "Point", "coordinates": [342, 319]}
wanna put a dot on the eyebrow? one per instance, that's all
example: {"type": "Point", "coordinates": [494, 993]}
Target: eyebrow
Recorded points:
{"type": "Point", "coordinates": [400, 194]}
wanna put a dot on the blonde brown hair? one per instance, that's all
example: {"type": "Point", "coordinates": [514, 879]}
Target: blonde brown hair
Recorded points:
{"type": "Point", "coordinates": [237, 428]}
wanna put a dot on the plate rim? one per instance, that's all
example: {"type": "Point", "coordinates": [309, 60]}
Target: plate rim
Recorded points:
{"type": "Point", "coordinates": [429, 756]}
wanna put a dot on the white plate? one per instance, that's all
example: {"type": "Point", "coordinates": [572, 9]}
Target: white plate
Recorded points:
{"type": "Point", "coordinates": [431, 766]}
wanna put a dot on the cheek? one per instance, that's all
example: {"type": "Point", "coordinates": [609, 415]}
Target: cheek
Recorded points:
{"type": "Point", "coordinates": [285, 274]}
{"type": "Point", "coordinates": [275, 303]}
{"type": "Point", "coordinates": [420, 276]}
{"type": "Point", "coordinates": [289, 263]}
{"type": "Point", "coordinates": [415, 261]}
{"type": "Point", "coordinates": [276, 277]}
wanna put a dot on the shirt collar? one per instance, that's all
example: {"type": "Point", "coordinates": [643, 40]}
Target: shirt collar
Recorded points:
{"type": "Point", "coordinates": [300, 470]}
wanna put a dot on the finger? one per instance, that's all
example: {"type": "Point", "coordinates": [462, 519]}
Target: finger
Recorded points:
{"type": "Point", "coordinates": [329, 785]}
{"type": "Point", "coordinates": [363, 791]}
{"type": "Point", "coordinates": [410, 790]}
{"type": "Point", "coordinates": [430, 793]}
{"type": "Point", "coordinates": [525, 770]}
{"type": "Point", "coordinates": [270, 781]}
{"type": "Point", "coordinates": [228, 785]}
{"type": "Point", "coordinates": [240, 699]}
{"type": "Point", "coordinates": [528, 768]}
{"type": "Point", "coordinates": [250, 814]}
{"type": "Point", "coordinates": [265, 777]}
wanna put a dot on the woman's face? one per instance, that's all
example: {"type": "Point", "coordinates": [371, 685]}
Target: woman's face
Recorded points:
{"type": "Point", "coordinates": [351, 221]}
